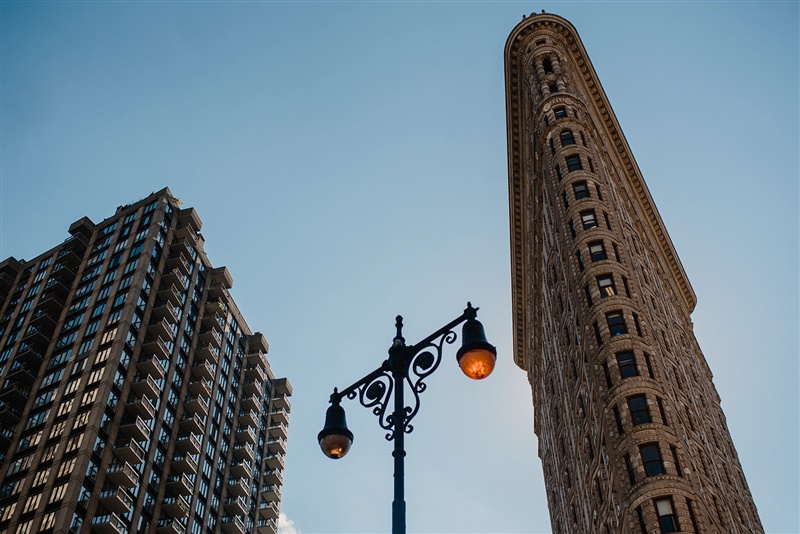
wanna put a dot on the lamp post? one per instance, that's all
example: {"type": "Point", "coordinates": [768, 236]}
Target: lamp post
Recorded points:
{"type": "Point", "coordinates": [411, 364]}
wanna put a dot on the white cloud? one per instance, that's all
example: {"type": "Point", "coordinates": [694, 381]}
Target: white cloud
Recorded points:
{"type": "Point", "coordinates": [286, 525]}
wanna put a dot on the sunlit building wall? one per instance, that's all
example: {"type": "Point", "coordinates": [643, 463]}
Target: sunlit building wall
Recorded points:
{"type": "Point", "coordinates": [631, 434]}
{"type": "Point", "coordinates": [134, 396]}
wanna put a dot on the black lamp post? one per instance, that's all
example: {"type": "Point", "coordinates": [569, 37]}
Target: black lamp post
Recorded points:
{"type": "Point", "coordinates": [412, 364]}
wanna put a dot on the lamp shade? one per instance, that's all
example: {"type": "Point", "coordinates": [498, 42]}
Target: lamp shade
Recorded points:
{"type": "Point", "coordinates": [335, 438]}
{"type": "Point", "coordinates": [476, 357]}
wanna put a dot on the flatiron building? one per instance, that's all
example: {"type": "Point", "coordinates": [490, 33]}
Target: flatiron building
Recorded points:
{"type": "Point", "coordinates": [135, 398]}
{"type": "Point", "coordinates": [631, 434]}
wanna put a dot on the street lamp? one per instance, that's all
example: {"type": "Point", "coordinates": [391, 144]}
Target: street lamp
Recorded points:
{"type": "Point", "coordinates": [412, 364]}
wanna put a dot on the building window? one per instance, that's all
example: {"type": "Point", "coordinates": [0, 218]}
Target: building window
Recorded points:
{"type": "Point", "coordinates": [599, 193]}
{"type": "Point", "coordinates": [675, 460]}
{"type": "Point", "coordinates": [607, 287]}
{"type": "Point", "coordinates": [616, 323]}
{"type": "Point", "coordinates": [581, 190]}
{"type": "Point", "coordinates": [567, 138]}
{"type": "Point", "coordinates": [666, 515]}
{"type": "Point", "coordinates": [561, 112]}
{"type": "Point", "coordinates": [618, 420]}
{"type": "Point", "coordinates": [597, 251]}
{"type": "Point", "coordinates": [640, 414]}
{"type": "Point", "coordinates": [588, 219]}
{"type": "Point", "coordinates": [627, 364]}
{"type": "Point", "coordinates": [651, 459]}
{"type": "Point", "coordinates": [558, 173]}
{"type": "Point", "coordinates": [649, 365]}
{"type": "Point", "coordinates": [579, 257]}
{"type": "Point", "coordinates": [627, 288]}
{"type": "Point", "coordinates": [572, 229]}
{"type": "Point", "coordinates": [547, 64]}
{"type": "Point", "coordinates": [661, 411]}
{"type": "Point", "coordinates": [642, 524]}
{"type": "Point", "coordinates": [607, 374]}
{"type": "Point", "coordinates": [597, 334]}
{"type": "Point", "coordinates": [629, 468]}
{"type": "Point", "coordinates": [565, 199]}
{"type": "Point", "coordinates": [589, 295]}
{"type": "Point", "coordinates": [574, 163]}
{"type": "Point", "coordinates": [553, 88]}
{"type": "Point", "coordinates": [552, 146]}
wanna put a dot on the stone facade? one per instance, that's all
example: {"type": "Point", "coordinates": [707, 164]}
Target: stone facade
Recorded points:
{"type": "Point", "coordinates": [135, 397]}
{"type": "Point", "coordinates": [631, 433]}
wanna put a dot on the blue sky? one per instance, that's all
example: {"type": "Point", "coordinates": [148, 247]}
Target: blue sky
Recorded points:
{"type": "Point", "coordinates": [348, 161]}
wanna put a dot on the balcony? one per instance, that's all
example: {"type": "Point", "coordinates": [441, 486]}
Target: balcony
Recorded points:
{"type": "Point", "coordinates": [151, 365]}
{"type": "Point", "coordinates": [200, 386]}
{"type": "Point", "coordinates": [167, 312]}
{"type": "Point", "coordinates": [108, 524]}
{"type": "Point", "coordinates": [37, 338]}
{"type": "Point", "coordinates": [161, 329]}
{"type": "Point", "coordinates": [216, 290]}
{"type": "Point", "coordinates": [236, 505]}
{"type": "Point", "coordinates": [9, 415]}
{"type": "Point", "coordinates": [213, 319]}
{"type": "Point", "coordinates": [268, 509]}
{"type": "Point", "coordinates": [170, 294]}
{"type": "Point", "coordinates": [31, 355]}
{"type": "Point", "coordinates": [258, 342]}
{"type": "Point", "coordinates": [270, 493]}
{"type": "Point", "coordinates": [183, 463]}
{"type": "Point", "coordinates": [182, 248]}
{"type": "Point", "coordinates": [141, 406]}
{"type": "Point", "coordinates": [186, 232]}
{"type": "Point", "coordinates": [280, 416]}
{"type": "Point", "coordinates": [129, 451]}
{"type": "Point", "coordinates": [204, 370]}
{"type": "Point", "coordinates": [283, 387]}
{"type": "Point", "coordinates": [178, 261]}
{"type": "Point", "coordinates": [51, 303]}
{"type": "Point", "coordinates": [193, 424]}
{"type": "Point", "coordinates": [258, 358]}
{"type": "Point", "coordinates": [54, 287]}
{"type": "Point", "coordinates": [216, 306]}
{"type": "Point", "coordinates": [6, 437]}
{"type": "Point", "coordinates": [251, 402]}
{"type": "Point", "coordinates": [211, 336]}
{"type": "Point", "coordinates": [276, 445]}
{"type": "Point", "coordinates": [244, 451]}
{"type": "Point", "coordinates": [252, 387]}
{"type": "Point", "coordinates": [6, 282]}
{"type": "Point", "coordinates": [267, 527]}
{"type": "Point", "coordinates": [273, 476]}
{"type": "Point", "coordinates": [157, 349]}
{"type": "Point", "coordinates": [42, 319]}
{"type": "Point", "coordinates": [69, 258]}
{"type": "Point", "coordinates": [246, 434]}
{"type": "Point", "coordinates": [15, 395]}
{"type": "Point", "coordinates": [145, 385]}
{"type": "Point", "coordinates": [136, 429]}
{"type": "Point", "coordinates": [188, 443]}
{"type": "Point", "coordinates": [275, 460]}
{"type": "Point", "coordinates": [239, 486]}
{"type": "Point", "coordinates": [255, 372]}
{"type": "Point", "coordinates": [175, 506]}
{"type": "Point", "coordinates": [242, 468]}
{"type": "Point", "coordinates": [208, 353]}
{"type": "Point", "coordinates": [196, 405]}
{"type": "Point", "coordinates": [22, 374]}
{"type": "Point", "coordinates": [278, 430]}
{"type": "Point", "coordinates": [231, 524]}
{"type": "Point", "coordinates": [116, 500]}
{"type": "Point", "coordinates": [169, 525]}
{"type": "Point", "coordinates": [180, 484]}
{"type": "Point", "coordinates": [123, 475]}
{"type": "Point", "coordinates": [281, 402]}
{"type": "Point", "coordinates": [249, 418]}
{"type": "Point", "coordinates": [175, 277]}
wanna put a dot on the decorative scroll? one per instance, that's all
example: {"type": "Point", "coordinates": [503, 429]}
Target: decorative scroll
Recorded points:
{"type": "Point", "coordinates": [422, 364]}
{"type": "Point", "coordinates": [376, 394]}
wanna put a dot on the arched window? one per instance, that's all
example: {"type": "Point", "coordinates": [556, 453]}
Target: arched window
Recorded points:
{"type": "Point", "coordinates": [547, 64]}
{"type": "Point", "coordinates": [567, 138]}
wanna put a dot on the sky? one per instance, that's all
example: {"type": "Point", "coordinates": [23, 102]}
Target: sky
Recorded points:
{"type": "Point", "coordinates": [348, 161]}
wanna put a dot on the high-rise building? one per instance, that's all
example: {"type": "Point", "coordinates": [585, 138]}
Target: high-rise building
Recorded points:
{"type": "Point", "coordinates": [135, 398]}
{"type": "Point", "coordinates": [631, 434]}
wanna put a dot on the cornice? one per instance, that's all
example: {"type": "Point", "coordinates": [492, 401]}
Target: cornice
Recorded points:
{"type": "Point", "coordinates": [522, 167]}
